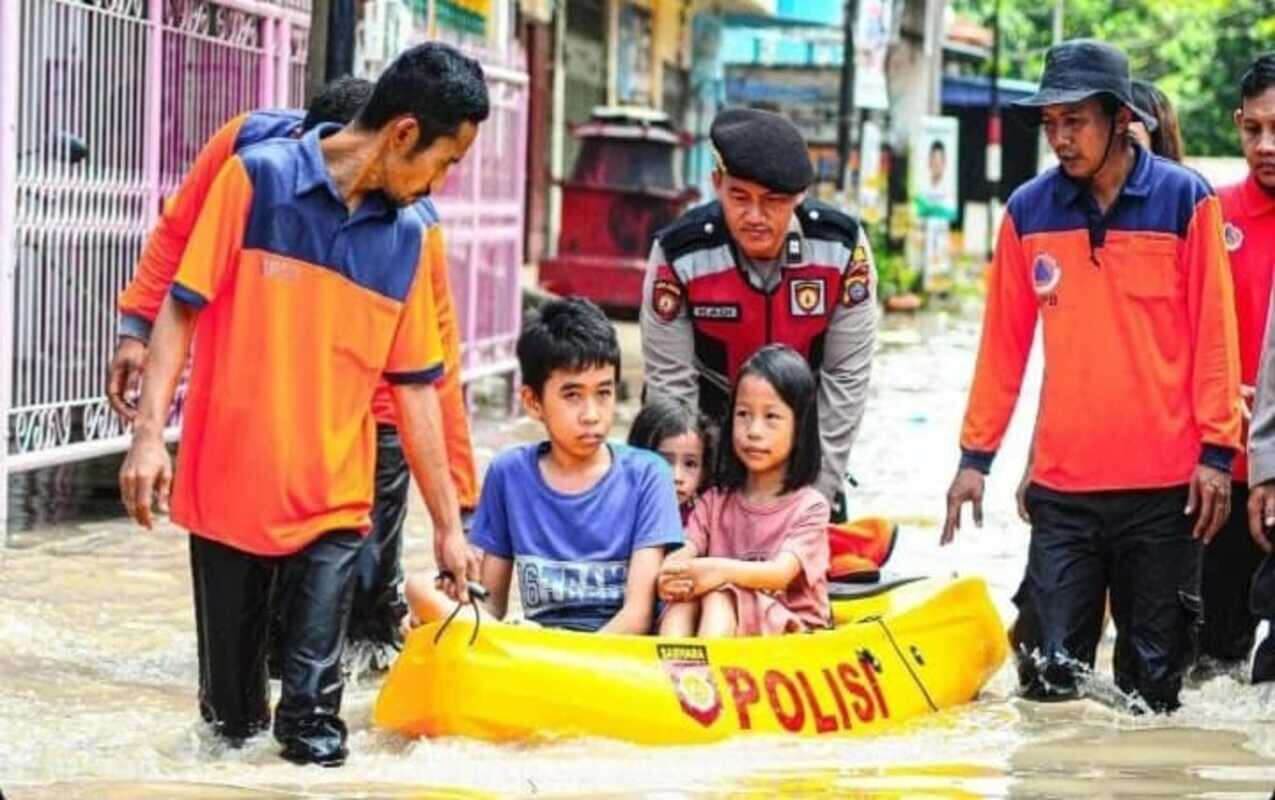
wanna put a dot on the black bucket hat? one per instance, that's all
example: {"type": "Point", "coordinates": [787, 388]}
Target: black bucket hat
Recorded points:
{"type": "Point", "coordinates": [1078, 70]}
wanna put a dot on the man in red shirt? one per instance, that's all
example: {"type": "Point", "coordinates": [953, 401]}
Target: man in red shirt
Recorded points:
{"type": "Point", "coordinates": [1230, 621]}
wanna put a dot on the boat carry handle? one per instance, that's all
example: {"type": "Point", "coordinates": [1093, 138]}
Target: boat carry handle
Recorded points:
{"type": "Point", "coordinates": [476, 592]}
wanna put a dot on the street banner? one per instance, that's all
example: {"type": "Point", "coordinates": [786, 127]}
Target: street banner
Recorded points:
{"type": "Point", "coordinates": [932, 174]}
{"type": "Point", "coordinates": [871, 46]}
{"type": "Point", "coordinates": [872, 179]}
{"type": "Point", "coordinates": [933, 167]}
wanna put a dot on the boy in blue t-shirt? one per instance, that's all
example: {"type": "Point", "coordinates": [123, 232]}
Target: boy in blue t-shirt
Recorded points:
{"type": "Point", "coordinates": [584, 522]}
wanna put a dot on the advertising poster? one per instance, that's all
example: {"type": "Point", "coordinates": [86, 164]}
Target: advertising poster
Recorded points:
{"type": "Point", "coordinates": [872, 179]}
{"type": "Point", "coordinates": [932, 181]}
{"type": "Point", "coordinates": [933, 168]}
{"type": "Point", "coordinates": [872, 44]}
{"type": "Point", "coordinates": [938, 255]}
{"type": "Point", "coordinates": [633, 64]}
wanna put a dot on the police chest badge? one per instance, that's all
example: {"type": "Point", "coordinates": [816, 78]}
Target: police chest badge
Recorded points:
{"type": "Point", "coordinates": [687, 668]}
{"type": "Point", "coordinates": [666, 299]}
{"type": "Point", "coordinates": [1233, 236]}
{"type": "Point", "coordinates": [806, 298]}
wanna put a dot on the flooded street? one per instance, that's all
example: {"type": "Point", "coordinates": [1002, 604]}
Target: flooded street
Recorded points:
{"type": "Point", "coordinates": [98, 674]}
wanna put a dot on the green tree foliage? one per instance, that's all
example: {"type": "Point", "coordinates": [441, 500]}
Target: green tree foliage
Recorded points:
{"type": "Point", "coordinates": [1194, 50]}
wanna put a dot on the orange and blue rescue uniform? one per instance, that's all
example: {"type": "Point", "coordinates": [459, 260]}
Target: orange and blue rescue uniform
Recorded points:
{"type": "Point", "coordinates": [139, 302]}
{"type": "Point", "coordinates": [1141, 384]}
{"type": "Point", "coordinates": [305, 307]}
{"type": "Point", "coordinates": [1138, 319]}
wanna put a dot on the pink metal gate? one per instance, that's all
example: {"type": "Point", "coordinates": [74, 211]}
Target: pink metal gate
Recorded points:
{"type": "Point", "coordinates": [482, 210]}
{"type": "Point", "coordinates": [103, 104]}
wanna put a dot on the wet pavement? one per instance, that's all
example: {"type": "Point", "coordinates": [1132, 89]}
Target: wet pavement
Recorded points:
{"type": "Point", "coordinates": [97, 658]}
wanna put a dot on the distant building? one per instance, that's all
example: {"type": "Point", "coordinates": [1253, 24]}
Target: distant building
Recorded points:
{"type": "Point", "coordinates": [791, 62]}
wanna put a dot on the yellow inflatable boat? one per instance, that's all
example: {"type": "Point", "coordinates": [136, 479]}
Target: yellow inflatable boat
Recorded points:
{"type": "Point", "coordinates": [899, 649]}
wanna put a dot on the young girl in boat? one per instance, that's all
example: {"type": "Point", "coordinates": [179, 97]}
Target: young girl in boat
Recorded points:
{"type": "Point", "coordinates": [755, 560]}
{"type": "Point", "coordinates": [671, 427]}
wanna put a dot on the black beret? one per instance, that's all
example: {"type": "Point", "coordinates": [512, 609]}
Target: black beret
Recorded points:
{"type": "Point", "coordinates": [762, 147]}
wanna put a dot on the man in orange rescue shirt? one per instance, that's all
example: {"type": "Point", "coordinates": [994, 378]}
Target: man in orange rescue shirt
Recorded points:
{"type": "Point", "coordinates": [1120, 254]}
{"type": "Point", "coordinates": [378, 606]}
{"type": "Point", "coordinates": [305, 282]}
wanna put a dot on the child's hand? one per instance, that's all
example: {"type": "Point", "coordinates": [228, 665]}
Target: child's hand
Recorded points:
{"type": "Point", "coordinates": [707, 575]}
{"type": "Point", "coordinates": [672, 585]}
{"type": "Point", "coordinates": [693, 578]}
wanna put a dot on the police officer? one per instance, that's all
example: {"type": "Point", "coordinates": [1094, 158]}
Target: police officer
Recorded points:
{"type": "Point", "coordinates": [761, 265]}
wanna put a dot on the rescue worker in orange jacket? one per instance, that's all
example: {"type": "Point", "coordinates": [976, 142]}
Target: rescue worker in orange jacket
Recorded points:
{"type": "Point", "coordinates": [308, 265]}
{"type": "Point", "coordinates": [378, 605]}
{"type": "Point", "coordinates": [1120, 255]}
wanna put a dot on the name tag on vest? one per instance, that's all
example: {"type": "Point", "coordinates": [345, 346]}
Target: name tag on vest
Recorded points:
{"type": "Point", "coordinates": [715, 311]}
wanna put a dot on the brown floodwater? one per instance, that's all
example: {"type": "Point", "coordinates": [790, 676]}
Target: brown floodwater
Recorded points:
{"type": "Point", "coordinates": [97, 662]}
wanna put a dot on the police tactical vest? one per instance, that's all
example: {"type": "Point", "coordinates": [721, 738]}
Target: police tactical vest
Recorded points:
{"type": "Point", "coordinates": [732, 319]}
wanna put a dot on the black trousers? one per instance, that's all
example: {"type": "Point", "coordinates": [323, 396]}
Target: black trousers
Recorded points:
{"type": "Point", "coordinates": [379, 607]}
{"type": "Point", "coordinates": [1229, 627]}
{"type": "Point", "coordinates": [1136, 545]}
{"type": "Point", "coordinates": [233, 591]}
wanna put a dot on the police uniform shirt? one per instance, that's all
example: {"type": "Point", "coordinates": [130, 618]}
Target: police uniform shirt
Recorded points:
{"type": "Point", "coordinates": [673, 367]}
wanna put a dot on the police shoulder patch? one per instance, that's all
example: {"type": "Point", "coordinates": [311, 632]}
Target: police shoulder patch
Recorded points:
{"type": "Point", "coordinates": [666, 299]}
{"type": "Point", "coordinates": [856, 281]}
{"type": "Point", "coordinates": [859, 261]}
{"type": "Point", "coordinates": [856, 287]}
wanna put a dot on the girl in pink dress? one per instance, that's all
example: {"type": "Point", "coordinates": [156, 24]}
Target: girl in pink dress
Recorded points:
{"type": "Point", "coordinates": [756, 555]}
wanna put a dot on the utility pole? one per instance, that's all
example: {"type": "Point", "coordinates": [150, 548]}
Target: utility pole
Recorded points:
{"type": "Point", "coordinates": [557, 125]}
{"type": "Point", "coordinates": [845, 108]}
{"type": "Point", "coordinates": [1058, 20]}
{"type": "Point", "coordinates": [316, 71]}
{"type": "Point", "coordinates": [342, 17]}
{"type": "Point", "coordinates": [994, 133]}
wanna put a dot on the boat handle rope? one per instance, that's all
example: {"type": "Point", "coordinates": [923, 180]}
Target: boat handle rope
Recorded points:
{"type": "Point", "coordinates": [476, 592]}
